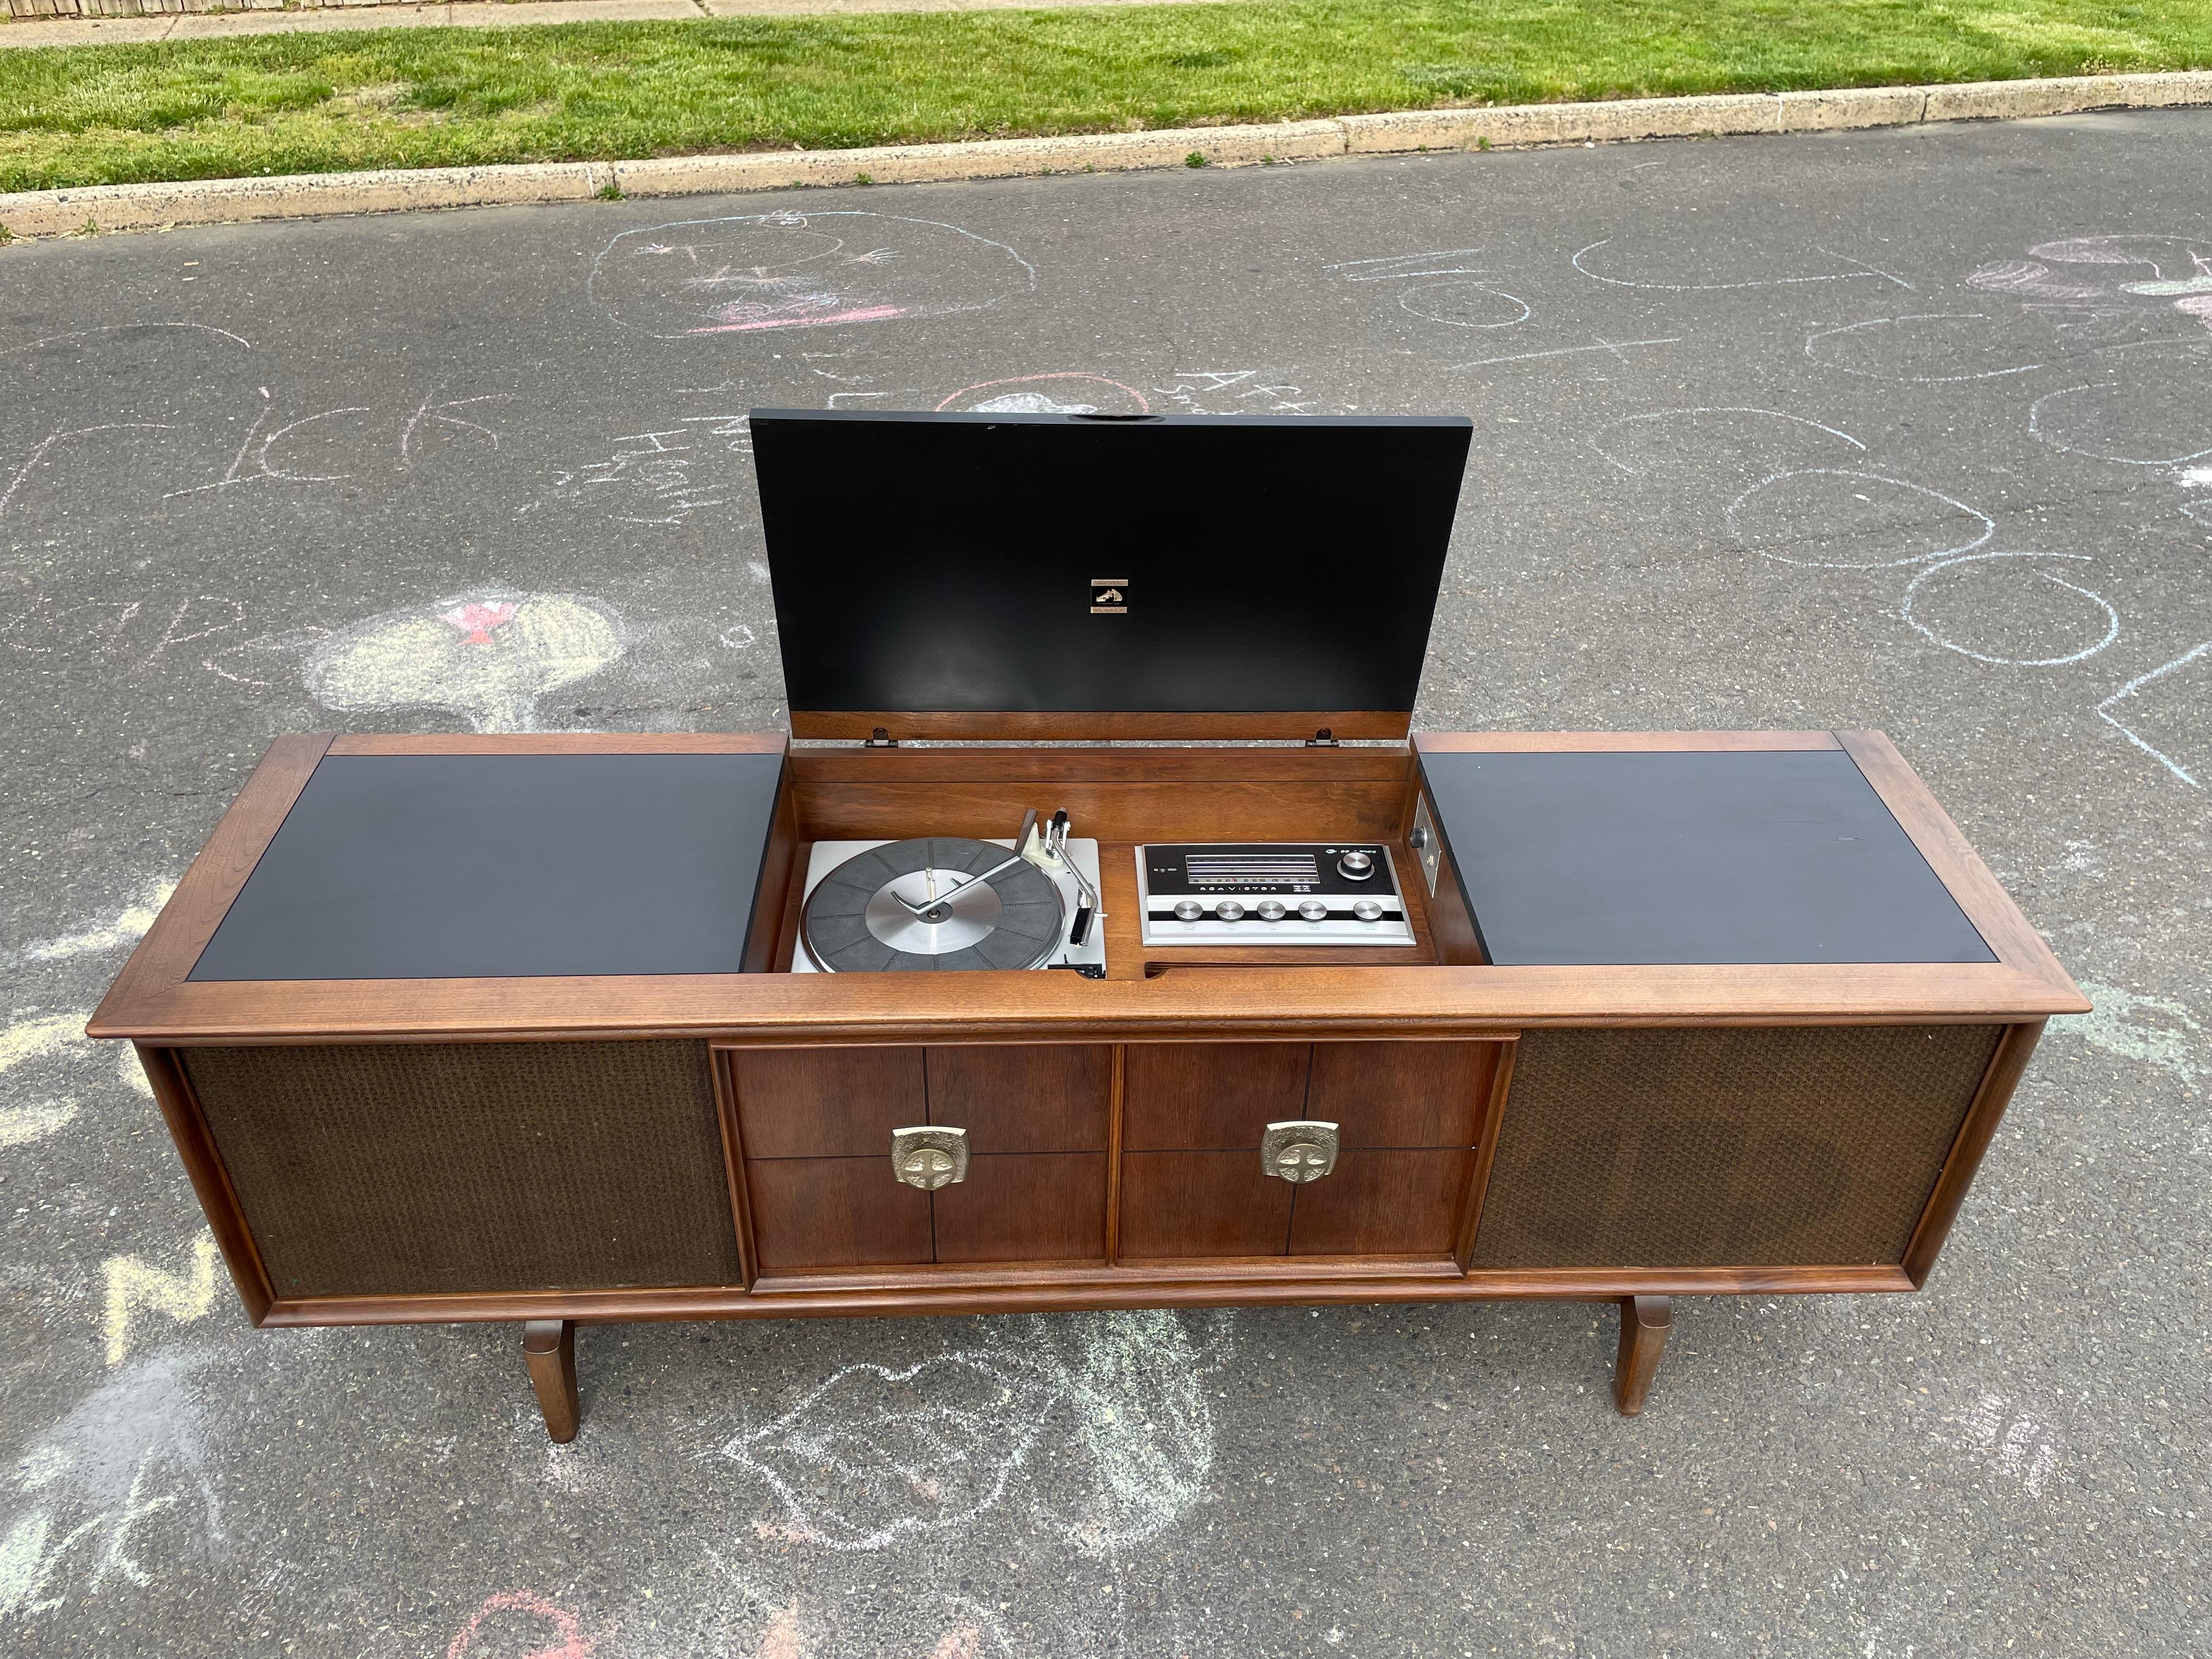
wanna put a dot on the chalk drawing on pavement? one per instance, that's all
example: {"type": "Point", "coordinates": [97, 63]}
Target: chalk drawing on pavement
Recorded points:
{"type": "Point", "coordinates": [1832, 519]}
{"type": "Point", "coordinates": [1744, 439]}
{"type": "Point", "coordinates": [127, 926]}
{"type": "Point", "coordinates": [2012, 607]}
{"type": "Point", "coordinates": [487, 655]}
{"type": "Point", "coordinates": [1444, 285]}
{"type": "Point", "coordinates": [2176, 271]}
{"type": "Point", "coordinates": [132, 1452]}
{"type": "Point", "coordinates": [504, 1615]}
{"type": "Point", "coordinates": [2135, 1025]}
{"type": "Point", "coordinates": [768, 272]}
{"type": "Point", "coordinates": [1066, 391]}
{"type": "Point", "coordinates": [2022, 1450]}
{"type": "Point", "coordinates": [2164, 714]}
{"type": "Point", "coordinates": [2150, 409]}
{"type": "Point", "coordinates": [1928, 347]}
{"type": "Point", "coordinates": [930, 1448]}
{"type": "Point", "coordinates": [136, 1286]}
{"type": "Point", "coordinates": [1704, 253]}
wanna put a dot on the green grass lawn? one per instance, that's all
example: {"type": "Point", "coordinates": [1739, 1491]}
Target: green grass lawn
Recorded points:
{"type": "Point", "coordinates": [306, 103]}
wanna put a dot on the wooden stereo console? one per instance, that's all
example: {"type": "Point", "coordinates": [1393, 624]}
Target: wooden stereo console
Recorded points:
{"type": "Point", "coordinates": [504, 1028]}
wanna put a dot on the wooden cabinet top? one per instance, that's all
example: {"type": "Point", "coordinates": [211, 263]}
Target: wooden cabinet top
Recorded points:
{"type": "Point", "coordinates": [1761, 878]}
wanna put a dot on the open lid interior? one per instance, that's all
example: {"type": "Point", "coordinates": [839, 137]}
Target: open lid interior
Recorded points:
{"type": "Point", "coordinates": [1066, 576]}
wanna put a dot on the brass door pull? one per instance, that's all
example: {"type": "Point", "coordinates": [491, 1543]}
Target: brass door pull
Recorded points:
{"type": "Point", "coordinates": [1299, 1150]}
{"type": "Point", "coordinates": [929, 1157]}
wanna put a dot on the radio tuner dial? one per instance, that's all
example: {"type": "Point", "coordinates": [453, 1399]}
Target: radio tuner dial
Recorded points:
{"type": "Point", "coordinates": [1356, 867]}
{"type": "Point", "coordinates": [1228, 910]}
{"type": "Point", "coordinates": [1271, 910]}
{"type": "Point", "coordinates": [1313, 909]}
{"type": "Point", "coordinates": [1188, 910]}
{"type": "Point", "coordinates": [1367, 909]}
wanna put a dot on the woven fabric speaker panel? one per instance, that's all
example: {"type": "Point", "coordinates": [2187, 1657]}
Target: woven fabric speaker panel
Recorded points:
{"type": "Point", "coordinates": [403, 1167]}
{"type": "Point", "coordinates": [1807, 1146]}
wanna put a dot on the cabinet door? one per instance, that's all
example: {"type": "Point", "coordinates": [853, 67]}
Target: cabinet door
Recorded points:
{"type": "Point", "coordinates": [1383, 1203]}
{"type": "Point", "coordinates": [1402, 1094]}
{"type": "Point", "coordinates": [1026, 1206]}
{"type": "Point", "coordinates": [826, 1102]}
{"type": "Point", "coordinates": [1209, 1096]}
{"type": "Point", "coordinates": [834, 1212]}
{"type": "Point", "coordinates": [1202, 1204]}
{"type": "Point", "coordinates": [1038, 1097]}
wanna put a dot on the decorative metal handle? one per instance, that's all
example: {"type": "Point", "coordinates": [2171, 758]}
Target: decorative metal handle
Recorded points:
{"type": "Point", "coordinates": [1297, 1151]}
{"type": "Point", "coordinates": [929, 1157]}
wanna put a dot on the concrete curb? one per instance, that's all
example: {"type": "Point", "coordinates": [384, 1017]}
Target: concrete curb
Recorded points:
{"type": "Point", "coordinates": [222, 201]}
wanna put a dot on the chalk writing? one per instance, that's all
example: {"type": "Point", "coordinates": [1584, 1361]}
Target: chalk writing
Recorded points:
{"type": "Point", "coordinates": [768, 272]}
{"type": "Point", "coordinates": [127, 926]}
{"type": "Point", "coordinates": [487, 656]}
{"type": "Point", "coordinates": [1231, 392]}
{"type": "Point", "coordinates": [2187, 726]}
{"type": "Point", "coordinates": [2106, 625]}
{"type": "Point", "coordinates": [252, 463]}
{"type": "Point", "coordinates": [2017, 1443]}
{"type": "Point", "coordinates": [1443, 287]}
{"type": "Point", "coordinates": [134, 1285]}
{"type": "Point", "coordinates": [52, 443]}
{"type": "Point", "coordinates": [439, 414]}
{"type": "Point", "coordinates": [87, 1482]}
{"type": "Point", "coordinates": [121, 628]}
{"type": "Point", "coordinates": [664, 476]}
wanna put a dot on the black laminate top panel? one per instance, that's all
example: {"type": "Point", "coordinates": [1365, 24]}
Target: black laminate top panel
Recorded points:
{"type": "Point", "coordinates": [1697, 857]}
{"type": "Point", "coordinates": [456, 866]}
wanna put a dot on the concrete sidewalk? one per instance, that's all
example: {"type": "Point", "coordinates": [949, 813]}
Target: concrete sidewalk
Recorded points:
{"type": "Point", "coordinates": [475, 14]}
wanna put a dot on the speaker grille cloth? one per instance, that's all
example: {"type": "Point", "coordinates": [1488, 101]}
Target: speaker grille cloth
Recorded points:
{"type": "Point", "coordinates": [1813, 1146]}
{"type": "Point", "coordinates": [392, 1169]}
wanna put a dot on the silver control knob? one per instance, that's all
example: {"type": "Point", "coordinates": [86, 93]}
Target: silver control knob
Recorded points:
{"type": "Point", "coordinates": [1367, 909]}
{"type": "Point", "coordinates": [1313, 909]}
{"type": "Point", "coordinates": [1188, 909]}
{"type": "Point", "coordinates": [1356, 867]}
{"type": "Point", "coordinates": [1228, 909]}
{"type": "Point", "coordinates": [1419, 838]}
{"type": "Point", "coordinates": [1271, 910]}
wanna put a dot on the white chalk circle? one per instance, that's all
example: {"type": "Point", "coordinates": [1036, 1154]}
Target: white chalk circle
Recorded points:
{"type": "Point", "coordinates": [1929, 347]}
{"type": "Point", "coordinates": [1743, 440]}
{"type": "Point", "coordinates": [772, 272]}
{"type": "Point", "coordinates": [486, 656]}
{"type": "Point", "coordinates": [1466, 305]}
{"type": "Point", "coordinates": [1826, 518]}
{"type": "Point", "coordinates": [2014, 608]}
{"type": "Point", "coordinates": [2155, 411]}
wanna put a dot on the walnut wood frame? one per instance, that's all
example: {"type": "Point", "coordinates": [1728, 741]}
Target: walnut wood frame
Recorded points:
{"type": "Point", "coordinates": [1151, 995]}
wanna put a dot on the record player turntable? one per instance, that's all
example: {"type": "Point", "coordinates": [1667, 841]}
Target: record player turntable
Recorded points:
{"type": "Point", "coordinates": [945, 903]}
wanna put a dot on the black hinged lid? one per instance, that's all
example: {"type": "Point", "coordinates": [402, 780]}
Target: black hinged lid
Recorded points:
{"type": "Point", "coordinates": [1076, 576]}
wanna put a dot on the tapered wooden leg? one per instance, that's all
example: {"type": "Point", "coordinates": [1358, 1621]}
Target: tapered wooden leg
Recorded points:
{"type": "Point", "coordinates": [548, 1348]}
{"type": "Point", "coordinates": [1643, 1323]}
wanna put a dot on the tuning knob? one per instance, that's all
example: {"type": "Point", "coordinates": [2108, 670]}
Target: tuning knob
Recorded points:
{"type": "Point", "coordinates": [1271, 910]}
{"type": "Point", "coordinates": [1188, 909]}
{"type": "Point", "coordinates": [1356, 867]}
{"type": "Point", "coordinates": [1367, 909]}
{"type": "Point", "coordinates": [1313, 909]}
{"type": "Point", "coordinates": [1229, 910]}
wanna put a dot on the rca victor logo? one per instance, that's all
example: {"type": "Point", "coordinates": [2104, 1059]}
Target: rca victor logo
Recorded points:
{"type": "Point", "coordinates": [1109, 596]}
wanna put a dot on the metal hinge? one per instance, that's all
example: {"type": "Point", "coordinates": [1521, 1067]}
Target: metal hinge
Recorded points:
{"type": "Point", "coordinates": [1322, 739]}
{"type": "Point", "coordinates": [881, 738]}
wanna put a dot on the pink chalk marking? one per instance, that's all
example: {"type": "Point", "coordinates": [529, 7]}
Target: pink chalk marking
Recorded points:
{"type": "Point", "coordinates": [864, 314]}
{"type": "Point", "coordinates": [476, 620]}
{"type": "Point", "coordinates": [963, 1642]}
{"type": "Point", "coordinates": [1143, 407]}
{"type": "Point", "coordinates": [2199, 306]}
{"type": "Point", "coordinates": [573, 1644]}
{"type": "Point", "coordinates": [781, 1640]}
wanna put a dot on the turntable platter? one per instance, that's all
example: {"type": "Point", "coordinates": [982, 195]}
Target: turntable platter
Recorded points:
{"type": "Point", "coordinates": [856, 923]}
